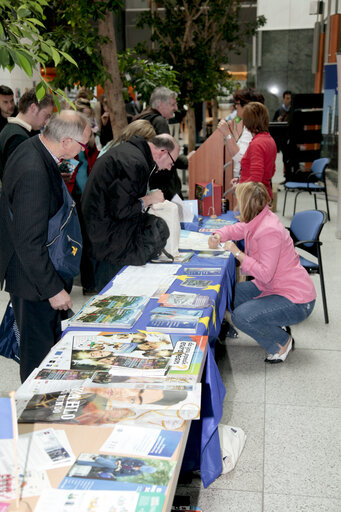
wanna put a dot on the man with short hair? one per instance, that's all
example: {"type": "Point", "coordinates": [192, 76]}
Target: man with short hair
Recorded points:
{"type": "Point", "coordinates": [114, 198]}
{"type": "Point", "coordinates": [32, 116]}
{"type": "Point", "coordinates": [162, 107]}
{"type": "Point", "coordinates": [163, 104]}
{"type": "Point", "coordinates": [32, 193]}
{"type": "Point", "coordinates": [283, 113]}
{"type": "Point", "coordinates": [7, 105]}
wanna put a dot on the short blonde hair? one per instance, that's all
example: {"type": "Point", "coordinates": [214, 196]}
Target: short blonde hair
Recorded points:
{"type": "Point", "coordinates": [140, 127]}
{"type": "Point", "coordinates": [252, 198]}
{"type": "Point", "coordinates": [256, 117]}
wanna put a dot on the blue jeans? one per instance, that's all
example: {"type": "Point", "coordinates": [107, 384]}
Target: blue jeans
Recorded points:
{"type": "Point", "coordinates": [263, 318]}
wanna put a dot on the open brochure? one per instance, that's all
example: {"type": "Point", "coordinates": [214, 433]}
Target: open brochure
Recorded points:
{"type": "Point", "coordinates": [116, 472]}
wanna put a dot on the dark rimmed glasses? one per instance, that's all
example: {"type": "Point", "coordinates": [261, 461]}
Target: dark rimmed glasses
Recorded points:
{"type": "Point", "coordinates": [84, 146]}
{"type": "Point", "coordinates": [172, 159]}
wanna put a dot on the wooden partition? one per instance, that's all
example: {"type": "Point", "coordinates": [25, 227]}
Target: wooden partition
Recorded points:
{"type": "Point", "coordinates": [211, 160]}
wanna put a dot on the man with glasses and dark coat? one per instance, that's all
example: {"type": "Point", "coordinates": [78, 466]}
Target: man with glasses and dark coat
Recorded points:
{"type": "Point", "coordinates": [32, 193]}
{"type": "Point", "coordinates": [115, 196]}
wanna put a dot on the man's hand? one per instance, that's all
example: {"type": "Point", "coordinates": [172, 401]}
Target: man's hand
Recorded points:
{"type": "Point", "coordinates": [154, 197]}
{"type": "Point", "coordinates": [214, 241]}
{"type": "Point", "coordinates": [61, 301]}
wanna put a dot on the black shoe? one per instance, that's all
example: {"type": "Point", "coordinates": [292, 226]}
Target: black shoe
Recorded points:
{"type": "Point", "coordinates": [89, 291]}
{"type": "Point", "coordinates": [231, 332]}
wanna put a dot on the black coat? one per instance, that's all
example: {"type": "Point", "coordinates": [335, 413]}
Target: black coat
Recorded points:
{"type": "Point", "coordinates": [32, 190]}
{"type": "Point", "coordinates": [110, 202]}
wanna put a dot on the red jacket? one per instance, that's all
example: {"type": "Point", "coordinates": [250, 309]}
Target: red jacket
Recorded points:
{"type": "Point", "coordinates": [258, 163]}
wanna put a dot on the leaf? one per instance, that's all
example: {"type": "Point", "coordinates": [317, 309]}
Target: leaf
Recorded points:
{"type": "Point", "coordinates": [69, 58]}
{"type": "Point", "coordinates": [25, 64]}
{"type": "Point", "coordinates": [40, 91]}
{"type": "Point", "coordinates": [55, 56]}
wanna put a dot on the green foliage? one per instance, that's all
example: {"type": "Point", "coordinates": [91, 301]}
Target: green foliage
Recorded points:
{"type": "Point", "coordinates": [75, 31]}
{"type": "Point", "coordinates": [145, 74]}
{"type": "Point", "coordinates": [22, 40]}
{"type": "Point", "coordinates": [194, 36]}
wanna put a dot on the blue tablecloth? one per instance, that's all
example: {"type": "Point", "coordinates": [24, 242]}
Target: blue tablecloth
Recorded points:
{"type": "Point", "coordinates": [203, 433]}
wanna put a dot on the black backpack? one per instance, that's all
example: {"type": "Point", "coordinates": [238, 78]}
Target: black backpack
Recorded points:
{"type": "Point", "coordinates": [155, 234]}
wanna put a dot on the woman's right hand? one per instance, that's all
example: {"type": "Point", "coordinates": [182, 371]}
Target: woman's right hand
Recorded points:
{"type": "Point", "coordinates": [214, 241]}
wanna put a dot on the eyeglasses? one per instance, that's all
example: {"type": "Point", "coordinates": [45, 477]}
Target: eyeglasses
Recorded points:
{"type": "Point", "coordinates": [84, 146]}
{"type": "Point", "coordinates": [170, 156]}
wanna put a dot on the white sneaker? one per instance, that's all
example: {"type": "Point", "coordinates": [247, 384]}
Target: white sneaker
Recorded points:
{"type": "Point", "coordinates": [279, 358]}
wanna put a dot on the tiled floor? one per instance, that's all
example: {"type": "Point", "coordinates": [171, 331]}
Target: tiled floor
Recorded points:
{"type": "Point", "coordinates": [291, 413]}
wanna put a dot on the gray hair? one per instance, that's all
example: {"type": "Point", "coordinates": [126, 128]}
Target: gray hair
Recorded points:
{"type": "Point", "coordinates": [161, 94]}
{"type": "Point", "coordinates": [66, 124]}
{"type": "Point", "coordinates": [164, 141]}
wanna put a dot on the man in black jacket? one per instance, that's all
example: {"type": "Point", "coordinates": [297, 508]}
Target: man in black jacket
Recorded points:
{"type": "Point", "coordinates": [114, 198]}
{"type": "Point", "coordinates": [31, 194]}
{"type": "Point", "coordinates": [32, 116]}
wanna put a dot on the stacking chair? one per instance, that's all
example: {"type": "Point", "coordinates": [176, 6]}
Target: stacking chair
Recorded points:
{"type": "Point", "coordinates": [305, 229]}
{"type": "Point", "coordinates": [318, 170]}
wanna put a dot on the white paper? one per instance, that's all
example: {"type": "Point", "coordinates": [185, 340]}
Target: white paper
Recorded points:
{"type": "Point", "coordinates": [131, 440]}
{"type": "Point", "coordinates": [39, 450]}
{"type": "Point", "coordinates": [185, 212]}
{"type": "Point", "coordinates": [142, 280]}
{"type": "Point", "coordinates": [191, 240]}
{"type": "Point", "coordinates": [57, 500]}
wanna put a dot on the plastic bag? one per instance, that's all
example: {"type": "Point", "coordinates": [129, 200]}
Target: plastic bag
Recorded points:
{"type": "Point", "coordinates": [232, 441]}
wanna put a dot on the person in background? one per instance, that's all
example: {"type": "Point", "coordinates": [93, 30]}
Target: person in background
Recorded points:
{"type": "Point", "coordinates": [281, 292]}
{"type": "Point", "coordinates": [283, 113]}
{"type": "Point", "coordinates": [259, 161]}
{"type": "Point", "coordinates": [7, 105]}
{"type": "Point", "coordinates": [32, 116]}
{"type": "Point", "coordinates": [105, 129]}
{"type": "Point", "coordinates": [76, 183]}
{"type": "Point", "coordinates": [32, 193]}
{"type": "Point", "coordinates": [237, 136]}
{"type": "Point", "coordinates": [115, 197]}
{"type": "Point", "coordinates": [140, 127]}
{"type": "Point", "coordinates": [163, 105]}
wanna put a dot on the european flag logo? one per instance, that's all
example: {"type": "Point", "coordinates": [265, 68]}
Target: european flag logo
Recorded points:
{"type": "Point", "coordinates": [6, 428]}
{"type": "Point", "coordinates": [208, 192]}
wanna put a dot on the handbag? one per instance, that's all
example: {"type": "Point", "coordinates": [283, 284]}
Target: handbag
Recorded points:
{"type": "Point", "coordinates": [9, 335]}
{"type": "Point", "coordinates": [155, 234]}
{"type": "Point", "coordinates": [65, 242]}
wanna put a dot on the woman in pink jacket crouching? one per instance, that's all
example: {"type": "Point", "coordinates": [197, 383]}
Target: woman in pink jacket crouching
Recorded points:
{"type": "Point", "coordinates": [281, 292]}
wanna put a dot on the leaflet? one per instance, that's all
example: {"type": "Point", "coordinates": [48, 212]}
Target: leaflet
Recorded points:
{"type": "Point", "coordinates": [57, 500]}
{"type": "Point", "coordinates": [142, 441]}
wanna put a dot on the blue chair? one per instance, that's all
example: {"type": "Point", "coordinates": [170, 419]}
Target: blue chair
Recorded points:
{"type": "Point", "coordinates": [318, 170]}
{"type": "Point", "coordinates": [305, 229]}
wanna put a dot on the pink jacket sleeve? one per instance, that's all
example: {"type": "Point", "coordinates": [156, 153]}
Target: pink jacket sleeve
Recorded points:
{"type": "Point", "coordinates": [266, 255]}
{"type": "Point", "coordinates": [234, 232]}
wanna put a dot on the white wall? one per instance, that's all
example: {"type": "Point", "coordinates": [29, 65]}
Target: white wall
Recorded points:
{"type": "Point", "coordinates": [18, 81]}
{"type": "Point", "coordinates": [286, 14]}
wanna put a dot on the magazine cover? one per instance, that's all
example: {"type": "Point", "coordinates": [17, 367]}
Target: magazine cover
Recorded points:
{"type": "Point", "coordinates": [174, 320]}
{"type": "Point", "coordinates": [110, 310]}
{"type": "Point", "coordinates": [110, 472]}
{"type": "Point", "coordinates": [106, 360]}
{"type": "Point", "coordinates": [108, 405]}
{"type": "Point", "coordinates": [196, 283]}
{"type": "Point", "coordinates": [184, 300]}
{"type": "Point", "coordinates": [202, 271]}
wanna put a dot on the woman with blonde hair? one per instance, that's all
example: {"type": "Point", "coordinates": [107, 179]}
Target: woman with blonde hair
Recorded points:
{"type": "Point", "coordinates": [281, 292]}
{"type": "Point", "coordinates": [139, 127]}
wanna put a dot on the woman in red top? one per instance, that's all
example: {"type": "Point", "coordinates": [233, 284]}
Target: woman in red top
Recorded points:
{"type": "Point", "coordinates": [258, 163]}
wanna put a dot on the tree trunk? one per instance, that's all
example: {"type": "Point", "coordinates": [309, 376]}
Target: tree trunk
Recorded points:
{"type": "Point", "coordinates": [112, 88]}
{"type": "Point", "coordinates": [214, 115]}
{"type": "Point", "coordinates": [191, 129]}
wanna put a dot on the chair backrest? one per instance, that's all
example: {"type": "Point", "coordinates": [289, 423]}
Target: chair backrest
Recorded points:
{"type": "Point", "coordinates": [307, 225]}
{"type": "Point", "coordinates": [318, 167]}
